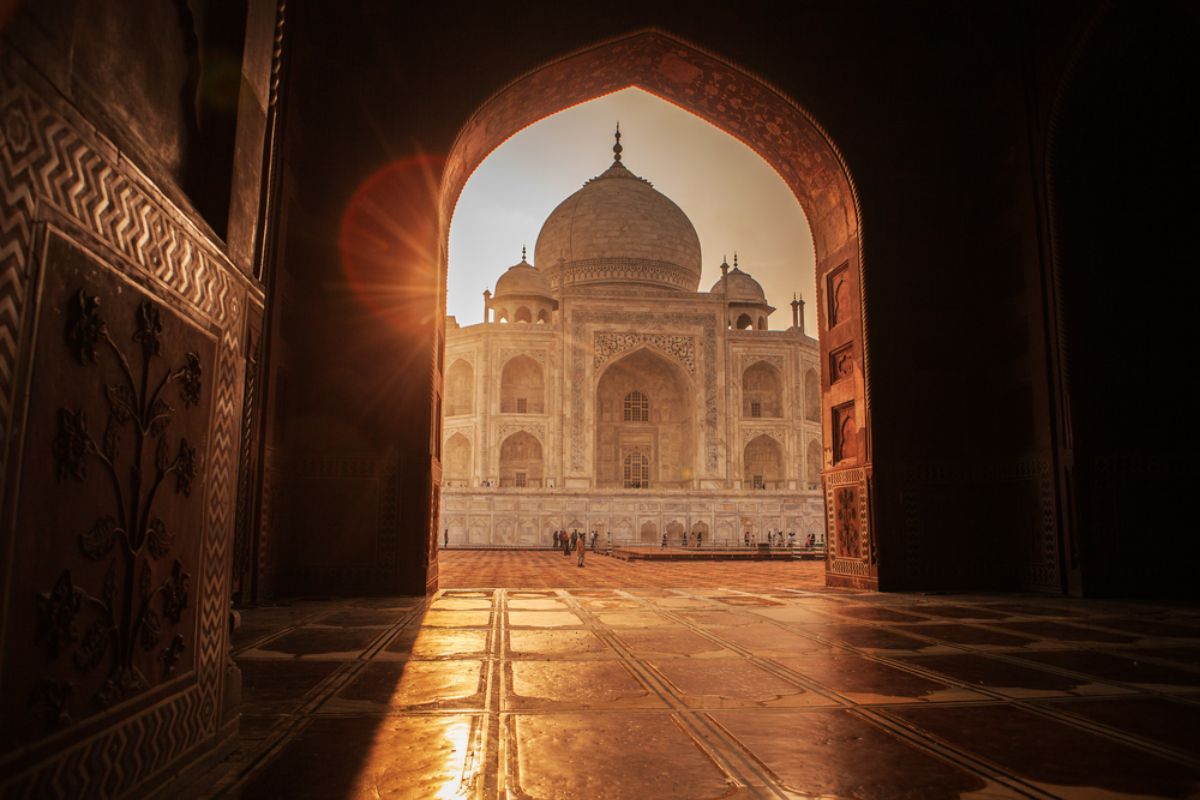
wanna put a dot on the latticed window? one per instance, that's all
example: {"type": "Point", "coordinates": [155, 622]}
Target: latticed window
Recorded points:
{"type": "Point", "coordinates": [637, 407]}
{"type": "Point", "coordinates": [522, 405]}
{"type": "Point", "coordinates": [759, 483]}
{"type": "Point", "coordinates": [519, 480]}
{"type": "Point", "coordinates": [755, 408]}
{"type": "Point", "coordinates": [637, 471]}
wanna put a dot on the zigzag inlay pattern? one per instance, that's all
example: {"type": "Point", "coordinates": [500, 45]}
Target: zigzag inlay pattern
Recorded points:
{"type": "Point", "coordinates": [70, 174]}
{"type": "Point", "coordinates": [119, 758]}
{"type": "Point", "coordinates": [222, 474]}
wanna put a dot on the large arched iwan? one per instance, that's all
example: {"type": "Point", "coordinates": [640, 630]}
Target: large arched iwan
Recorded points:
{"type": "Point", "coordinates": [794, 144]}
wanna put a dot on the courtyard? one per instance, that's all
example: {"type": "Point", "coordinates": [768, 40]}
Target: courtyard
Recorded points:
{"type": "Point", "coordinates": [526, 676]}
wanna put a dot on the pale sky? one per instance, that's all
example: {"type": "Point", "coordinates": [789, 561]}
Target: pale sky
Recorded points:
{"type": "Point", "coordinates": [733, 198]}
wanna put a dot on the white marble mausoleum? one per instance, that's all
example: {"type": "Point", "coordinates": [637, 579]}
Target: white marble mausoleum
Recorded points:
{"type": "Point", "coordinates": [604, 391]}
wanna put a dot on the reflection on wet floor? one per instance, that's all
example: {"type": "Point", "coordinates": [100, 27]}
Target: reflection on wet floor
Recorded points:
{"type": "Point", "coordinates": [665, 691]}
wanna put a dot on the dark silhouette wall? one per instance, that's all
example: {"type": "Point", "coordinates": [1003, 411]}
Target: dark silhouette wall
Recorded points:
{"type": "Point", "coordinates": [943, 113]}
{"type": "Point", "coordinates": [196, 187]}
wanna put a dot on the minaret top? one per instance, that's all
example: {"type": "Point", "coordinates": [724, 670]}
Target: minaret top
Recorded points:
{"type": "Point", "coordinates": [617, 147]}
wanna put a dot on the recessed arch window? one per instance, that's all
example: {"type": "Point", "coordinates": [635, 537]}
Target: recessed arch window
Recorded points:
{"type": "Point", "coordinates": [762, 391]}
{"type": "Point", "coordinates": [636, 471]}
{"type": "Point", "coordinates": [637, 407]}
{"type": "Point", "coordinates": [523, 314]}
{"type": "Point", "coordinates": [522, 387]}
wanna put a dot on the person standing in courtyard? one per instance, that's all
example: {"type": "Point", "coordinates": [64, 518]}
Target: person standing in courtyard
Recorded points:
{"type": "Point", "coordinates": [699, 538]}
{"type": "Point", "coordinates": [581, 549]}
{"type": "Point", "coordinates": [446, 538]}
{"type": "Point", "coordinates": [746, 538]}
{"type": "Point", "coordinates": [664, 540]}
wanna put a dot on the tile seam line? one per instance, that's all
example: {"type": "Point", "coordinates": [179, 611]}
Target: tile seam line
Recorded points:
{"type": "Point", "coordinates": [683, 713]}
{"type": "Point", "coordinates": [1112, 734]}
{"type": "Point", "coordinates": [305, 713]}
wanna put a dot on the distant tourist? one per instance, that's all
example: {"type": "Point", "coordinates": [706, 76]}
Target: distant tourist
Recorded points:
{"type": "Point", "coordinates": [791, 539]}
{"type": "Point", "coordinates": [664, 540]}
{"type": "Point", "coordinates": [699, 536]}
{"type": "Point", "coordinates": [566, 545]}
{"type": "Point", "coordinates": [446, 538]}
{"type": "Point", "coordinates": [594, 537]}
{"type": "Point", "coordinates": [747, 538]}
{"type": "Point", "coordinates": [581, 549]}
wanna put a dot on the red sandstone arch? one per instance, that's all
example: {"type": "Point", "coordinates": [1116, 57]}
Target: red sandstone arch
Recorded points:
{"type": "Point", "coordinates": [785, 136]}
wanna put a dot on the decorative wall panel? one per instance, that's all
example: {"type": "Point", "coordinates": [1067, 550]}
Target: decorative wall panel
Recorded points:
{"type": "Point", "coordinates": [123, 421]}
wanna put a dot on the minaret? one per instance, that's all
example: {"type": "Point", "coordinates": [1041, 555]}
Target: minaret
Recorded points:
{"type": "Point", "coordinates": [795, 311]}
{"type": "Point", "coordinates": [487, 304]}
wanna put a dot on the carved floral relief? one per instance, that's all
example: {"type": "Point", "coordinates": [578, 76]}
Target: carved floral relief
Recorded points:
{"type": "Point", "coordinates": [135, 454]}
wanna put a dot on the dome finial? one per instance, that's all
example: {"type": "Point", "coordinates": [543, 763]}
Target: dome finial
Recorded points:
{"type": "Point", "coordinates": [617, 147]}
{"type": "Point", "coordinates": [735, 266]}
{"type": "Point", "coordinates": [522, 253]}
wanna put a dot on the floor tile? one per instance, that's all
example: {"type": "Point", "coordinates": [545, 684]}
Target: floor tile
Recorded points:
{"type": "Point", "coordinates": [730, 682]}
{"type": "Point", "coordinates": [577, 684]}
{"type": "Point", "coordinates": [367, 757]}
{"type": "Point", "coordinates": [1001, 676]}
{"type": "Point", "coordinates": [611, 756]}
{"type": "Point", "coordinates": [1156, 719]}
{"type": "Point", "coordinates": [831, 753]}
{"type": "Point", "coordinates": [1052, 754]}
{"type": "Point", "coordinates": [392, 685]}
{"type": "Point", "coordinates": [865, 680]}
{"type": "Point", "coordinates": [531, 644]}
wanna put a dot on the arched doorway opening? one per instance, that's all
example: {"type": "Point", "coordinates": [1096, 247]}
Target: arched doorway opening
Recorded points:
{"type": "Point", "coordinates": [521, 463]}
{"type": "Point", "coordinates": [762, 391]}
{"type": "Point", "coordinates": [456, 470]}
{"type": "Point", "coordinates": [645, 421]}
{"type": "Point", "coordinates": [460, 389]}
{"type": "Point", "coordinates": [785, 136]}
{"type": "Point", "coordinates": [762, 464]}
{"type": "Point", "coordinates": [522, 387]}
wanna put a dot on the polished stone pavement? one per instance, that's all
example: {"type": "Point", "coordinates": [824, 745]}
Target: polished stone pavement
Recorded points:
{"type": "Point", "coordinates": [772, 686]}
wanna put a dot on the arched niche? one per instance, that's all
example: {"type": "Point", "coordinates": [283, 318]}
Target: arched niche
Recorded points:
{"type": "Point", "coordinates": [649, 532]}
{"type": "Point", "coordinates": [456, 463]}
{"type": "Point", "coordinates": [664, 436]}
{"type": "Point", "coordinates": [743, 322]}
{"type": "Point", "coordinates": [762, 464]}
{"type": "Point", "coordinates": [813, 463]}
{"type": "Point", "coordinates": [523, 314]}
{"type": "Point", "coordinates": [522, 387]}
{"type": "Point", "coordinates": [460, 389]}
{"type": "Point", "coordinates": [787, 137]}
{"type": "Point", "coordinates": [543, 316]}
{"type": "Point", "coordinates": [812, 396]}
{"type": "Point", "coordinates": [762, 391]}
{"type": "Point", "coordinates": [521, 463]}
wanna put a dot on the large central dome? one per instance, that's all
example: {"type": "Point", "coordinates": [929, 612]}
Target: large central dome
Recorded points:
{"type": "Point", "coordinates": [618, 231]}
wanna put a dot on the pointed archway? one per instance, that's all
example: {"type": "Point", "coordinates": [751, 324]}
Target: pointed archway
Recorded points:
{"type": "Point", "coordinates": [794, 144]}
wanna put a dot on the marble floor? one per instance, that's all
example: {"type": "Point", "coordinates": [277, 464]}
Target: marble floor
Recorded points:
{"type": "Point", "coordinates": [682, 681]}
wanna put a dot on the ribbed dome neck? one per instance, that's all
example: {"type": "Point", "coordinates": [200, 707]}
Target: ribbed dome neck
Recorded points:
{"type": "Point", "coordinates": [618, 170]}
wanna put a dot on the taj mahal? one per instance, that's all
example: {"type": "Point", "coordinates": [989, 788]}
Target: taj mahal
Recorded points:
{"type": "Point", "coordinates": [605, 392]}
